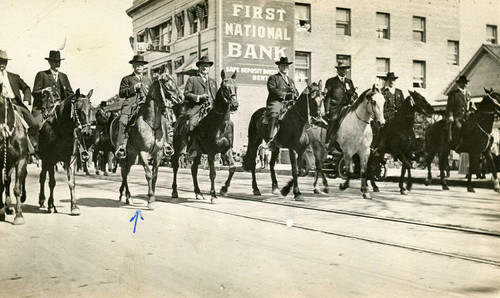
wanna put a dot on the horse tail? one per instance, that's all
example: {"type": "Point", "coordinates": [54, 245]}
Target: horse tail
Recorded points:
{"type": "Point", "coordinates": [251, 154]}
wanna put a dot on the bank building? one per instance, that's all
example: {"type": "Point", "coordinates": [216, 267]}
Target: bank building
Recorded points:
{"type": "Point", "coordinates": [425, 43]}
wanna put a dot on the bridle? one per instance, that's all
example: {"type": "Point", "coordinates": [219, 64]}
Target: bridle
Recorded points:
{"type": "Point", "coordinates": [228, 95]}
{"type": "Point", "coordinates": [372, 114]}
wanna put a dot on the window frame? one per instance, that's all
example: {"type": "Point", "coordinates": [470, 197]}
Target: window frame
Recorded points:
{"type": "Point", "coordinates": [424, 77]}
{"type": "Point", "coordinates": [387, 27]}
{"type": "Point", "coordinates": [456, 54]}
{"type": "Point", "coordinates": [298, 26]}
{"type": "Point", "coordinates": [347, 29]}
{"type": "Point", "coordinates": [387, 64]}
{"type": "Point", "coordinates": [419, 30]}
{"type": "Point", "coordinates": [307, 68]}
{"type": "Point", "coordinates": [495, 34]}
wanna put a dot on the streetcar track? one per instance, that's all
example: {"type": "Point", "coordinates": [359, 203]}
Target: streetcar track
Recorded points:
{"type": "Point", "coordinates": [344, 235]}
{"type": "Point", "coordinates": [338, 211]}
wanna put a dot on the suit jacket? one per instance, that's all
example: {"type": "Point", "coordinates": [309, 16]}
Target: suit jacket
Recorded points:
{"type": "Point", "coordinates": [127, 89]}
{"type": "Point", "coordinates": [17, 84]}
{"type": "Point", "coordinates": [392, 102]}
{"type": "Point", "coordinates": [45, 79]}
{"type": "Point", "coordinates": [458, 104]}
{"type": "Point", "coordinates": [338, 94]}
{"type": "Point", "coordinates": [196, 86]}
{"type": "Point", "coordinates": [277, 88]}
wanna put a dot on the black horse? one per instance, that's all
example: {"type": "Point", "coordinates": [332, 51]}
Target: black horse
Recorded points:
{"type": "Point", "coordinates": [292, 135]}
{"type": "Point", "coordinates": [214, 134]}
{"type": "Point", "coordinates": [60, 139]}
{"type": "Point", "coordinates": [477, 139]}
{"type": "Point", "coordinates": [401, 137]}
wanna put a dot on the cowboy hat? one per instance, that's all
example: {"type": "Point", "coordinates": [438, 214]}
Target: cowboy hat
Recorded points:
{"type": "Point", "coordinates": [103, 104]}
{"type": "Point", "coordinates": [283, 60]}
{"type": "Point", "coordinates": [462, 78]}
{"type": "Point", "coordinates": [138, 59]}
{"type": "Point", "coordinates": [3, 55]}
{"type": "Point", "coordinates": [342, 64]}
{"type": "Point", "coordinates": [389, 76]}
{"type": "Point", "coordinates": [204, 60]}
{"type": "Point", "coordinates": [55, 56]}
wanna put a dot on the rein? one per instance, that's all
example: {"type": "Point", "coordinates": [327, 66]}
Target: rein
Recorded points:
{"type": "Point", "coordinates": [362, 120]}
{"type": "Point", "coordinates": [6, 134]}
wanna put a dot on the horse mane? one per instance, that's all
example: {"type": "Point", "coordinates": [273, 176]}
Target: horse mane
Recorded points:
{"type": "Point", "coordinates": [358, 101]}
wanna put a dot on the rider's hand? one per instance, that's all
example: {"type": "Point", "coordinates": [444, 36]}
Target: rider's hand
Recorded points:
{"type": "Point", "coordinates": [138, 86]}
{"type": "Point", "coordinates": [450, 119]}
{"type": "Point", "coordinates": [203, 98]}
{"type": "Point", "coordinates": [46, 90]}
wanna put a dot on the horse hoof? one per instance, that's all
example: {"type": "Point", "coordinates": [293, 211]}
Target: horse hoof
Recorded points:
{"type": "Point", "coordinates": [284, 192]}
{"type": "Point", "coordinates": [376, 189]}
{"type": "Point", "coordinates": [87, 173]}
{"type": "Point", "coordinates": [299, 198]}
{"type": "Point", "coordinates": [427, 182]}
{"type": "Point", "coordinates": [367, 196]}
{"type": "Point", "coordinates": [256, 192]}
{"type": "Point", "coordinates": [74, 211]}
{"type": "Point", "coordinates": [19, 220]}
{"type": "Point", "coordinates": [342, 187]}
{"type": "Point", "coordinates": [403, 191]}
{"type": "Point", "coordinates": [445, 187]}
{"type": "Point", "coordinates": [326, 190]}
{"type": "Point", "coordinates": [175, 195]}
{"type": "Point", "coordinates": [212, 200]}
{"type": "Point", "coordinates": [97, 173]}
{"type": "Point", "coordinates": [276, 191]}
{"type": "Point", "coordinates": [317, 191]}
{"type": "Point", "coordinates": [105, 173]}
{"type": "Point", "coordinates": [9, 211]}
{"type": "Point", "coordinates": [223, 191]}
{"type": "Point", "coordinates": [200, 196]}
{"type": "Point", "coordinates": [470, 189]}
{"type": "Point", "coordinates": [49, 210]}
{"type": "Point", "coordinates": [127, 201]}
{"type": "Point", "coordinates": [152, 205]}
{"type": "Point", "coordinates": [2, 214]}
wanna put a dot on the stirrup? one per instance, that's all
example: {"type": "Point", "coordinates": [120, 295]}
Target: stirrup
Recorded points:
{"type": "Point", "coordinates": [121, 153]}
{"type": "Point", "coordinates": [168, 150]}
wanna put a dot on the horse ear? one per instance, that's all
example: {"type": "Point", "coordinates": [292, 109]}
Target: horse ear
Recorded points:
{"type": "Point", "coordinates": [486, 90]}
{"type": "Point", "coordinates": [223, 74]}
{"type": "Point", "coordinates": [320, 85]}
{"type": "Point", "coordinates": [90, 93]}
{"type": "Point", "coordinates": [374, 87]}
{"type": "Point", "coordinates": [234, 75]}
{"type": "Point", "coordinates": [77, 93]}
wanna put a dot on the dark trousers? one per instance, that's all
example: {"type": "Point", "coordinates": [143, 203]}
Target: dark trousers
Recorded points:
{"type": "Point", "coordinates": [31, 121]}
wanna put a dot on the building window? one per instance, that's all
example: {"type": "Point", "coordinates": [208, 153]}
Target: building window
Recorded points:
{"type": "Point", "coordinates": [193, 19]}
{"type": "Point", "coordinates": [302, 17]}
{"type": "Point", "coordinates": [453, 52]}
{"type": "Point", "coordinates": [302, 66]}
{"type": "Point", "coordinates": [383, 22]}
{"type": "Point", "coordinates": [179, 24]}
{"type": "Point", "coordinates": [383, 67]}
{"type": "Point", "coordinates": [166, 33]}
{"type": "Point", "coordinates": [202, 14]}
{"type": "Point", "coordinates": [418, 74]}
{"type": "Point", "coordinates": [154, 36]}
{"type": "Point", "coordinates": [345, 59]}
{"type": "Point", "coordinates": [178, 63]}
{"type": "Point", "coordinates": [491, 34]}
{"type": "Point", "coordinates": [141, 37]}
{"type": "Point", "coordinates": [419, 29]}
{"type": "Point", "coordinates": [168, 65]}
{"type": "Point", "coordinates": [343, 21]}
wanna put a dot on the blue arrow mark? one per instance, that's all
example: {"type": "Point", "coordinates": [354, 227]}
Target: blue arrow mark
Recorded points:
{"type": "Point", "coordinates": [136, 217]}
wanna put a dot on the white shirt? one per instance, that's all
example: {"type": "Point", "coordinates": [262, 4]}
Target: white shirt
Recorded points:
{"type": "Point", "coordinates": [462, 90]}
{"type": "Point", "coordinates": [342, 79]}
{"type": "Point", "coordinates": [7, 89]}
{"type": "Point", "coordinates": [285, 77]}
{"type": "Point", "coordinates": [55, 75]}
{"type": "Point", "coordinates": [392, 90]}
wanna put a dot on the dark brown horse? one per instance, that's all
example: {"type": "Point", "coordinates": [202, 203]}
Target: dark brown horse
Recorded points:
{"type": "Point", "coordinates": [103, 147]}
{"type": "Point", "coordinates": [291, 135]}
{"type": "Point", "coordinates": [214, 134]}
{"type": "Point", "coordinates": [13, 156]}
{"type": "Point", "coordinates": [477, 139]}
{"type": "Point", "coordinates": [401, 137]}
{"type": "Point", "coordinates": [61, 139]}
{"type": "Point", "coordinates": [148, 134]}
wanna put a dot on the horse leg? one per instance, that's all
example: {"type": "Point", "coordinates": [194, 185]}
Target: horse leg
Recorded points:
{"type": "Point", "coordinates": [315, 183]}
{"type": "Point", "coordinates": [52, 184]}
{"type": "Point", "coordinates": [232, 169]}
{"type": "Point", "coordinates": [156, 164]}
{"type": "Point", "coordinates": [125, 170]}
{"type": "Point", "coordinates": [443, 159]}
{"type": "Point", "coordinates": [104, 162]}
{"type": "Point", "coordinates": [143, 158]}
{"type": "Point", "coordinates": [402, 188]}
{"type": "Point", "coordinates": [492, 169]}
{"type": "Point", "coordinates": [428, 162]}
{"type": "Point", "coordinates": [211, 165]}
{"type": "Point", "coordinates": [18, 190]}
{"type": "Point", "coordinates": [363, 162]}
{"type": "Point", "coordinates": [8, 200]}
{"type": "Point", "coordinates": [295, 175]}
{"type": "Point", "coordinates": [175, 168]}
{"type": "Point", "coordinates": [473, 169]}
{"type": "Point", "coordinates": [272, 163]}
{"type": "Point", "coordinates": [43, 176]}
{"type": "Point", "coordinates": [194, 174]}
{"type": "Point", "coordinates": [348, 165]}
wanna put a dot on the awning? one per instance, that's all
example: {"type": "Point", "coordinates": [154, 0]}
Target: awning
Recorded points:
{"type": "Point", "coordinates": [189, 67]}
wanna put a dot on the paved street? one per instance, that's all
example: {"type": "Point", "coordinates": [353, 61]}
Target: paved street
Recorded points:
{"type": "Point", "coordinates": [428, 243]}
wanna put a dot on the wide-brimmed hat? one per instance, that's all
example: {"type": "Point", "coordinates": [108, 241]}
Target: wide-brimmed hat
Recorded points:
{"type": "Point", "coordinates": [389, 76]}
{"type": "Point", "coordinates": [3, 55]}
{"type": "Point", "coordinates": [204, 60]}
{"type": "Point", "coordinates": [342, 64]}
{"type": "Point", "coordinates": [283, 60]}
{"type": "Point", "coordinates": [55, 56]}
{"type": "Point", "coordinates": [138, 59]}
{"type": "Point", "coordinates": [462, 78]}
{"type": "Point", "coordinates": [103, 104]}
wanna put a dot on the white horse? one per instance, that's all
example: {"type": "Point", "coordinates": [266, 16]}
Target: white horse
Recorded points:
{"type": "Point", "coordinates": [355, 133]}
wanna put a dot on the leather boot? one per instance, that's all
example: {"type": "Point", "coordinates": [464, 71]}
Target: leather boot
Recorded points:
{"type": "Point", "coordinates": [272, 132]}
{"type": "Point", "coordinates": [121, 140]}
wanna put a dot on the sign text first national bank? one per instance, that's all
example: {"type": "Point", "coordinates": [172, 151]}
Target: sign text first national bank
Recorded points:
{"type": "Point", "coordinates": [255, 35]}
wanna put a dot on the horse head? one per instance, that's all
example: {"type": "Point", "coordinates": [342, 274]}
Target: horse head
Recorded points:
{"type": "Point", "coordinates": [317, 95]}
{"type": "Point", "coordinates": [49, 101]}
{"type": "Point", "coordinates": [168, 84]}
{"type": "Point", "coordinates": [229, 90]}
{"type": "Point", "coordinates": [420, 104]}
{"type": "Point", "coordinates": [376, 100]}
{"type": "Point", "coordinates": [490, 102]}
{"type": "Point", "coordinates": [81, 111]}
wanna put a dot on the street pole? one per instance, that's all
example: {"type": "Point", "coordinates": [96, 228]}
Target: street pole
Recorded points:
{"type": "Point", "coordinates": [199, 45]}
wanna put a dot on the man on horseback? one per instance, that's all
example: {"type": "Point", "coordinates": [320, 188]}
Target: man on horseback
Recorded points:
{"type": "Point", "coordinates": [134, 89]}
{"type": "Point", "coordinates": [50, 81]}
{"type": "Point", "coordinates": [458, 107]}
{"type": "Point", "coordinates": [199, 94]}
{"type": "Point", "coordinates": [340, 93]}
{"type": "Point", "coordinates": [101, 119]}
{"type": "Point", "coordinates": [12, 85]}
{"type": "Point", "coordinates": [393, 99]}
{"type": "Point", "coordinates": [281, 89]}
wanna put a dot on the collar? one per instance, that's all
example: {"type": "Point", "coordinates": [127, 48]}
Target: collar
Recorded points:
{"type": "Point", "coordinates": [342, 79]}
{"type": "Point", "coordinates": [462, 90]}
{"type": "Point", "coordinates": [53, 72]}
{"type": "Point", "coordinates": [3, 73]}
{"type": "Point", "coordinates": [392, 89]}
{"type": "Point", "coordinates": [282, 74]}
